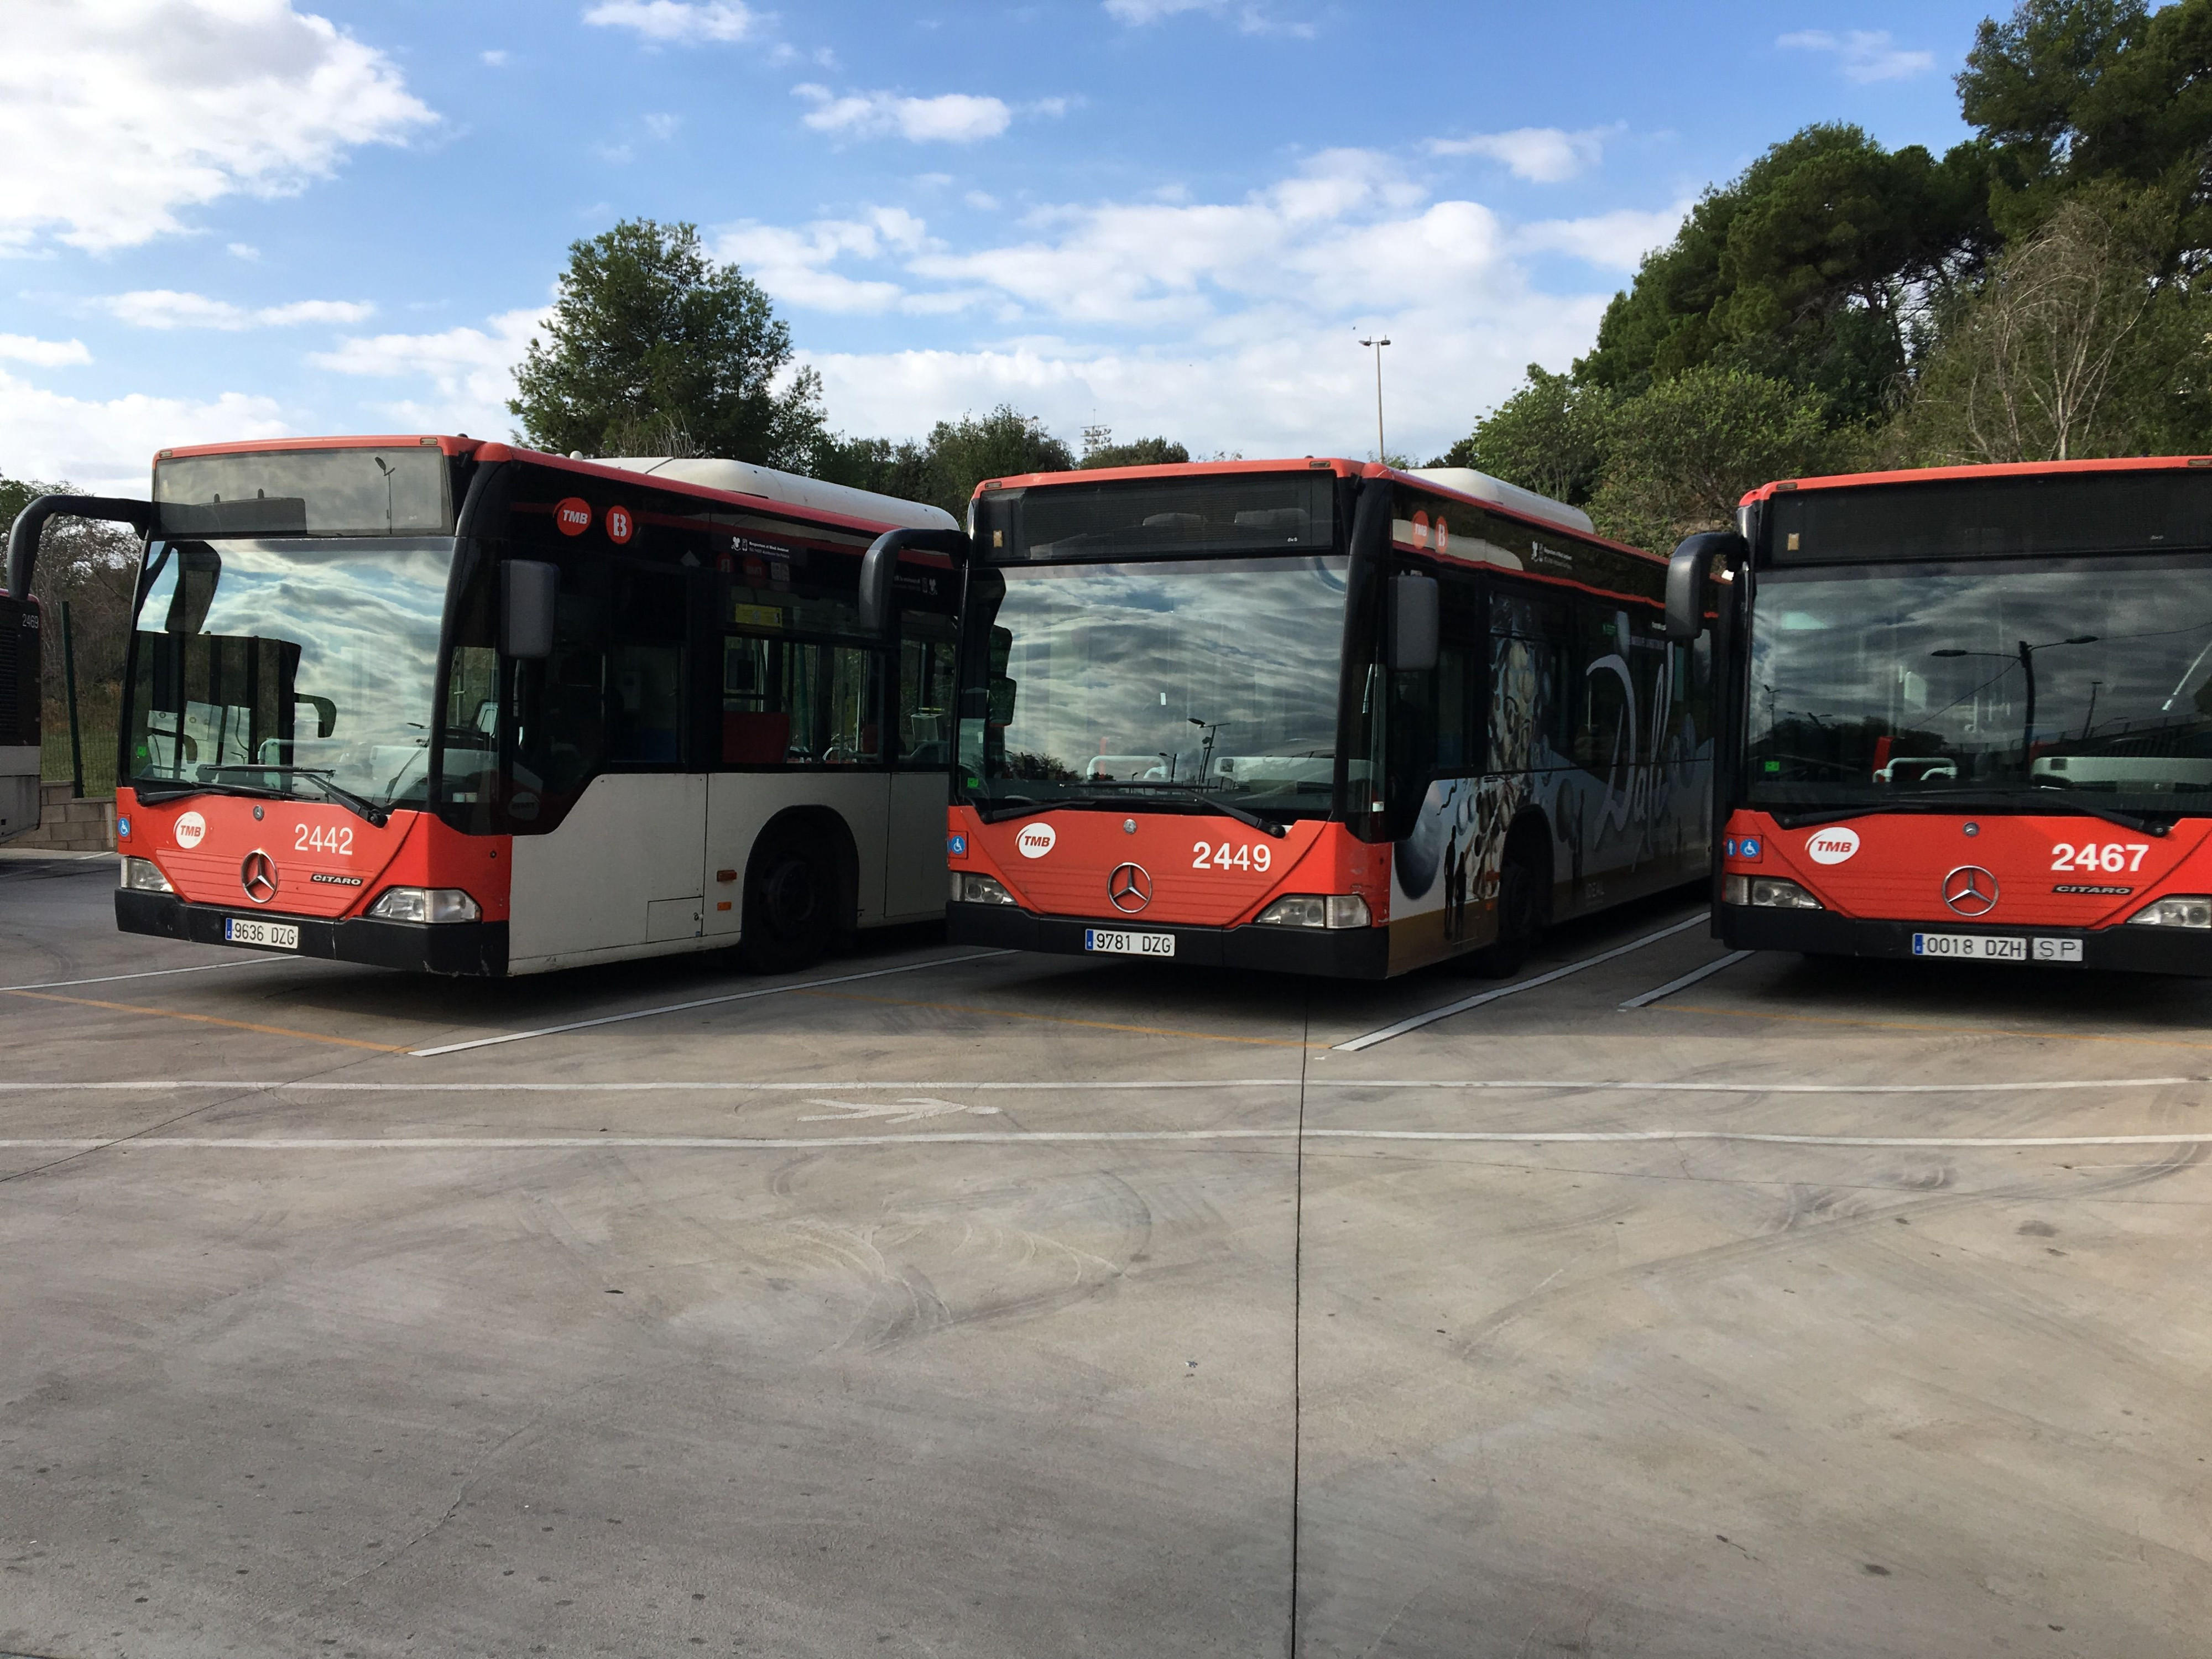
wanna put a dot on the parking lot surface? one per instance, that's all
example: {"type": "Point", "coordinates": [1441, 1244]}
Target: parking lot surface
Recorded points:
{"type": "Point", "coordinates": [943, 1302]}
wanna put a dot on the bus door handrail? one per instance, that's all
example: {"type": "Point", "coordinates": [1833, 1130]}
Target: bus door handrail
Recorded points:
{"type": "Point", "coordinates": [23, 538]}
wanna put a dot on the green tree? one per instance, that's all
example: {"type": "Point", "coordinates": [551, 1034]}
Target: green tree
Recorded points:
{"type": "Point", "coordinates": [651, 342]}
{"type": "Point", "coordinates": [1551, 436]}
{"type": "Point", "coordinates": [1802, 269]}
{"type": "Point", "coordinates": [1682, 454]}
{"type": "Point", "coordinates": [1138, 452]}
{"type": "Point", "coordinates": [92, 564]}
{"type": "Point", "coordinates": [999, 445]}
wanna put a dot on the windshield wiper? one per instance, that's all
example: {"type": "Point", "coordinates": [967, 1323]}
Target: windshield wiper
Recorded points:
{"type": "Point", "coordinates": [1021, 806]}
{"type": "Point", "coordinates": [319, 776]}
{"type": "Point", "coordinates": [2035, 801]}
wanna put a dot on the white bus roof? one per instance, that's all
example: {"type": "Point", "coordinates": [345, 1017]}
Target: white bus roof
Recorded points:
{"type": "Point", "coordinates": [743, 477]}
{"type": "Point", "coordinates": [1480, 485]}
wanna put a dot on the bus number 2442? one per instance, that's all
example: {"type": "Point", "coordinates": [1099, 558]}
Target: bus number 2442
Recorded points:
{"type": "Point", "coordinates": [1252, 856]}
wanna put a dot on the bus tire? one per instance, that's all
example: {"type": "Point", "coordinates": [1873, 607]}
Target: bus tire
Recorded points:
{"type": "Point", "coordinates": [792, 894]}
{"type": "Point", "coordinates": [1523, 895]}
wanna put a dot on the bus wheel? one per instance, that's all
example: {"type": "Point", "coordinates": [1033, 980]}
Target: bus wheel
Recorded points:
{"type": "Point", "coordinates": [1519, 916]}
{"type": "Point", "coordinates": [790, 919]}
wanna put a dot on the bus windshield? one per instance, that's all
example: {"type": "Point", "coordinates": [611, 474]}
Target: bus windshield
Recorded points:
{"type": "Point", "coordinates": [1114, 681]}
{"type": "Point", "coordinates": [1871, 684]}
{"type": "Point", "coordinates": [267, 664]}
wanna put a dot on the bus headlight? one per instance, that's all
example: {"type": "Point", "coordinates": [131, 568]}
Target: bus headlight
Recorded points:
{"type": "Point", "coordinates": [1767, 892]}
{"type": "Point", "coordinates": [141, 876]}
{"type": "Point", "coordinates": [425, 904]}
{"type": "Point", "coordinates": [2184, 910]}
{"type": "Point", "coordinates": [978, 889]}
{"type": "Point", "coordinates": [1316, 910]}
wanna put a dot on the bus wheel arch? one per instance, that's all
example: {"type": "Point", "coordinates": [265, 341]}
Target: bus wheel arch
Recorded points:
{"type": "Point", "coordinates": [801, 890]}
{"type": "Point", "coordinates": [1525, 876]}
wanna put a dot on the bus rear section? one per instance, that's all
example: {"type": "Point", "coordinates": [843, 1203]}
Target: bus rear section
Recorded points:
{"type": "Point", "coordinates": [455, 707]}
{"type": "Point", "coordinates": [20, 727]}
{"type": "Point", "coordinates": [1314, 716]}
{"type": "Point", "coordinates": [1973, 715]}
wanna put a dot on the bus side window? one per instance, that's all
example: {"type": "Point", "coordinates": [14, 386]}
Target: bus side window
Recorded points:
{"type": "Point", "coordinates": [1530, 701]}
{"type": "Point", "coordinates": [645, 666]}
{"type": "Point", "coordinates": [1605, 729]}
{"type": "Point", "coordinates": [925, 689]}
{"type": "Point", "coordinates": [798, 702]}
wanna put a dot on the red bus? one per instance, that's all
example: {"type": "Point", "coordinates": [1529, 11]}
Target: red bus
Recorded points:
{"type": "Point", "coordinates": [1313, 715]}
{"type": "Point", "coordinates": [442, 704]}
{"type": "Point", "coordinates": [1966, 713]}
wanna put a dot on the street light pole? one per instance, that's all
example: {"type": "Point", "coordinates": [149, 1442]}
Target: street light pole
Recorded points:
{"type": "Point", "coordinates": [1376, 343]}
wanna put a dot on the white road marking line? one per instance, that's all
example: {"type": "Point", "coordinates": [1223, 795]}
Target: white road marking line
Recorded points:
{"type": "Point", "coordinates": [1582, 1085]}
{"type": "Point", "coordinates": [701, 1002]}
{"type": "Point", "coordinates": [1685, 982]}
{"type": "Point", "coordinates": [150, 973]}
{"type": "Point", "coordinates": [1068, 1137]}
{"type": "Point", "coordinates": [913, 1110]}
{"type": "Point", "coordinates": [1415, 1024]}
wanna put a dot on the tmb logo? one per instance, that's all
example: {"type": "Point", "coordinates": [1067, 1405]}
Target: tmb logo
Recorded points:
{"type": "Point", "coordinates": [573, 515]}
{"type": "Point", "coordinates": [190, 830]}
{"type": "Point", "coordinates": [1831, 846]}
{"type": "Point", "coordinates": [1036, 839]}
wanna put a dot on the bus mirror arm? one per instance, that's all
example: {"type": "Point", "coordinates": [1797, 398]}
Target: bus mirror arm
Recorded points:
{"type": "Point", "coordinates": [1697, 562]}
{"type": "Point", "coordinates": [879, 564]}
{"type": "Point", "coordinates": [527, 590]}
{"type": "Point", "coordinates": [23, 539]}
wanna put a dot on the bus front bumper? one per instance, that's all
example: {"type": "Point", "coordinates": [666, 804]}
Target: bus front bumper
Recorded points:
{"type": "Point", "coordinates": [2123, 948]}
{"type": "Point", "coordinates": [1338, 953]}
{"type": "Point", "coordinates": [477, 948]}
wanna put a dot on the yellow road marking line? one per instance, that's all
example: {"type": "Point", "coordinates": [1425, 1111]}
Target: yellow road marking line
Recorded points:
{"type": "Point", "coordinates": [212, 1019]}
{"type": "Point", "coordinates": [1910, 1025]}
{"type": "Point", "coordinates": [1061, 1019]}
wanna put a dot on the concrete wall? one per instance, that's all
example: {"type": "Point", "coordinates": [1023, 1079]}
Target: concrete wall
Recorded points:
{"type": "Point", "coordinates": [66, 825]}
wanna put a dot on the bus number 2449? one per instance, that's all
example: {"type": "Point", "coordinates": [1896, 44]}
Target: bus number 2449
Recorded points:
{"type": "Point", "coordinates": [1252, 856]}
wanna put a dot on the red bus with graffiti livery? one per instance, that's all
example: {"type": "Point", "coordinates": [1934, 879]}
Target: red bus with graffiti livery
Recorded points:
{"type": "Point", "coordinates": [1312, 715]}
{"type": "Point", "coordinates": [1966, 713]}
{"type": "Point", "coordinates": [442, 704]}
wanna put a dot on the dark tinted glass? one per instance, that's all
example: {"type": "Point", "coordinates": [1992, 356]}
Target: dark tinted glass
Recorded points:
{"type": "Point", "coordinates": [1159, 515]}
{"type": "Point", "coordinates": [305, 492]}
{"type": "Point", "coordinates": [2067, 513]}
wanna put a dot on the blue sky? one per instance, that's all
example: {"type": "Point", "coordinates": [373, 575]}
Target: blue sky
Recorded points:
{"type": "Point", "coordinates": [236, 218]}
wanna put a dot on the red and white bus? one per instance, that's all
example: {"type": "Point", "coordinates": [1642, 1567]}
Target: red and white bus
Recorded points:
{"type": "Point", "coordinates": [1313, 715]}
{"type": "Point", "coordinates": [443, 704]}
{"type": "Point", "coordinates": [1967, 713]}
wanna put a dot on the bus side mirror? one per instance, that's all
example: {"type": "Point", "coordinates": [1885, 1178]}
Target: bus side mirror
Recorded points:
{"type": "Point", "coordinates": [1002, 700]}
{"type": "Point", "coordinates": [326, 713]}
{"type": "Point", "coordinates": [1690, 576]}
{"type": "Point", "coordinates": [526, 591]}
{"type": "Point", "coordinates": [879, 565]}
{"type": "Point", "coordinates": [1412, 624]}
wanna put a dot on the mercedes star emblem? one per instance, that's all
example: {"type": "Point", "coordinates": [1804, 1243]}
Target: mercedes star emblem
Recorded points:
{"type": "Point", "coordinates": [1129, 887]}
{"type": "Point", "coordinates": [1971, 890]}
{"type": "Point", "coordinates": [258, 875]}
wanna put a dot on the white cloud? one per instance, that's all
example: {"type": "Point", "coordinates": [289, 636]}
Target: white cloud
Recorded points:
{"type": "Point", "coordinates": [163, 307]}
{"type": "Point", "coordinates": [1247, 309]}
{"type": "Point", "coordinates": [46, 354]}
{"type": "Point", "coordinates": [662, 127]}
{"type": "Point", "coordinates": [1248, 15]}
{"type": "Point", "coordinates": [668, 21]}
{"type": "Point", "coordinates": [107, 447]}
{"type": "Point", "coordinates": [1611, 241]}
{"type": "Point", "coordinates": [1864, 55]}
{"type": "Point", "coordinates": [954, 118]}
{"type": "Point", "coordinates": [115, 117]}
{"type": "Point", "coordinates": [496, 60]}
{"type": "Point", "coordinates": [245, 250]}
{"type": "Point", "coordinates": [467, 373]}
{"type": "Point", "coordinates": [1543, 155]}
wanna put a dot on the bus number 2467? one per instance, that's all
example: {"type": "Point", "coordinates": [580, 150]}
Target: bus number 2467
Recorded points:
{"type": "Point", "coordinates": [2111, 858]}
{"type": "Point", "coordinates": [1253, 856]}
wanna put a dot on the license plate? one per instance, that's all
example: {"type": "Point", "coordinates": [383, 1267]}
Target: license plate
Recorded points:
{"type": "Point", "coordinates": [1128, 945]}
{"type": "Point", "coordinates": [1992, 947]}
{"type": "Point", "coordinates": [251, 930]}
